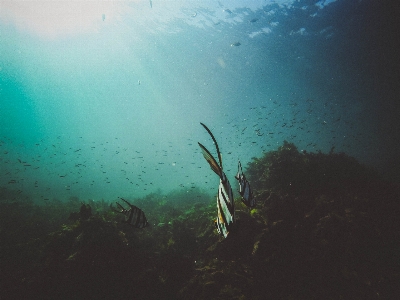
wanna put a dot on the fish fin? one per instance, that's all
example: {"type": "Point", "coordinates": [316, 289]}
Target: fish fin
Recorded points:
{"type": "Point", "coordinates": [127, 202]}
{"type": "Point", "coordinates": [120, 207]}
{"type": "Point", "coordinates": [216, 144]}
{"type": "Point", "coordinates": [211, 160]}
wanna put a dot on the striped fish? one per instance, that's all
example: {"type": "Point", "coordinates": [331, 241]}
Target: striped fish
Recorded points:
{"type": "Point", "coordinates": [225, 201]}
{"type": "Point", "coordinates": [244, 188]}
{"type": "Point", "coordinates": [133, 216]}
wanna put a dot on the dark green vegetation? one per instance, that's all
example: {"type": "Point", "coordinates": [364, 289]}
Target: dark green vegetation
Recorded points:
{"type": "Point", "coordinates": [325, 227]}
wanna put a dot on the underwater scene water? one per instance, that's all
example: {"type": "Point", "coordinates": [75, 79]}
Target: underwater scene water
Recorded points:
{"type": "Point", "coordinates": [105, 191]}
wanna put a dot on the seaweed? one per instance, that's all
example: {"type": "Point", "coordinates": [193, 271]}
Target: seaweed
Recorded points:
{"type": "Point", "coordinates": [288, 171]}
{"type": "Point", "coordinates": [325, 227]}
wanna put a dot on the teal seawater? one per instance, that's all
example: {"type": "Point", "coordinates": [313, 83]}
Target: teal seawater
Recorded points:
{"type": "Point", "coordinates": [114, 105]}
{"type": "Point", "coordinates": [102, 100]}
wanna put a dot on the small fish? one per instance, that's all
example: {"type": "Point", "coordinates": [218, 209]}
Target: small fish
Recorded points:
{"type": "Point", "coordinates": [225, 201]}
{"type": "Point", "coordinates": [151, 4]}
{"type": "Point", "coordinates": [244, 188]}
{"type": "Point", "coordinates": [133, 216]}
{"type": "Point", "coordinates": [227, 11]}
{"type": "Point", "coordinates": [236, 44]}
{"type": "Point", "coordinates": [253, 20]}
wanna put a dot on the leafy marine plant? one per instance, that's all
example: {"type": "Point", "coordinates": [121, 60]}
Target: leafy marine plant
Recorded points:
{"type": "Point", "coordinates": [276, 170]}
{"type": "Point", "coordinates": [288, 171]}
{"type": "Point", "coordinates": [322, 228]}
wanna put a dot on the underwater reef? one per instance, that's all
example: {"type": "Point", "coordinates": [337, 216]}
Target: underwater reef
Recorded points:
{"type": "Point", "coordinates": [324, 227]}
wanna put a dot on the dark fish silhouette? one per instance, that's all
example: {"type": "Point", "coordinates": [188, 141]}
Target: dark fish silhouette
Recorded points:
{"type": "Point", "coordinates": [133, 216]}
{"type": "Point", "coordinates": [225, 201]}
{"type": "Point", "coordinates": [244, 188]}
